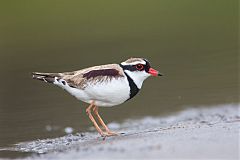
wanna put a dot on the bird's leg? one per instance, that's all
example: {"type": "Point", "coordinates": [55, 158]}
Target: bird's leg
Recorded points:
{"type": "Point", "coordinates": [88, 111]}
{"type": "Point", "coordinates": [109, 133]}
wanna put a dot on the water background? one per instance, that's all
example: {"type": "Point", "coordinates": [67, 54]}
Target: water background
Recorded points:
{"type": "Point", "coordinates": [194, 43]}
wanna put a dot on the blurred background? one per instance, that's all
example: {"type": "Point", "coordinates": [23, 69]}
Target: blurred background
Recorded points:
{"type": "Point", "coordinates": [194, 43]}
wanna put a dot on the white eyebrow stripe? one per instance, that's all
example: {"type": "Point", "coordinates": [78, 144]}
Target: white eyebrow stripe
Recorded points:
{"type": "Point", "coordinates": [134, 63]}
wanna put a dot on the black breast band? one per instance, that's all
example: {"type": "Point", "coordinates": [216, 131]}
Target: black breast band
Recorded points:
{"type": "Point", "coordinates": [133, 87]}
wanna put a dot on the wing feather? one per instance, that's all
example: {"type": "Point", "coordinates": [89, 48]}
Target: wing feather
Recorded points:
{"type": "Point", "coordinates": [97, 74]}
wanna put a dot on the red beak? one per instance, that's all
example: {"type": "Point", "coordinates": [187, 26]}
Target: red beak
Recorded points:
{"type": "Point", "coordinates": [154, 72]}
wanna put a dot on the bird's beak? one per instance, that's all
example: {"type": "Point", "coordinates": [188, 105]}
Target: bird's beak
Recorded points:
{"type": "Point", "coordinates": [154, 72]}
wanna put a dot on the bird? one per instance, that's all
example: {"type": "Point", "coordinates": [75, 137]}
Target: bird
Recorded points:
{"type": "Point", "coordinates": [103, 86]}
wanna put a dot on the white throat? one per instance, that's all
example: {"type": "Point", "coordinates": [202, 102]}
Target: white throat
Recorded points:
{"type": "Point", "coordinates": [137, 77]}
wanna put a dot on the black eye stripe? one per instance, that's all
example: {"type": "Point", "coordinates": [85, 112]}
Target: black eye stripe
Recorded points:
{"type": "Point", "coordinates": [146, 67]}
{"type": "Point", "coordinates": [128, 67]}
{"type": "Point", "coordinates": [134, 67]}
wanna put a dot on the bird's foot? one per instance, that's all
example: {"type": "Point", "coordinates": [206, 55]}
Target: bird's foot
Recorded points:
{"type": "Point", "coordinates": [108, 134]}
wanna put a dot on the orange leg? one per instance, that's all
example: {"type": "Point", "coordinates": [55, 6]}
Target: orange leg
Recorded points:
{"type": "Point", "coordinates": [88, 111]}
{"type": "Point", "coordinates": [109, 133]}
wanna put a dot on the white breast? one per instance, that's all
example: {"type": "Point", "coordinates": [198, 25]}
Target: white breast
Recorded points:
{"type": "Point", "coordinates": [109, 93]}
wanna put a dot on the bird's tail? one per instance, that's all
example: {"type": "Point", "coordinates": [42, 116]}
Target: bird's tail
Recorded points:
{"type": "Point", "coordinates": [46, 77]}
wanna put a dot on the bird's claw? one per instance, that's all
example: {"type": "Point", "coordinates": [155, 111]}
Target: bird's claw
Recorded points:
{"type": "Point", "coordinates": [108, 134]}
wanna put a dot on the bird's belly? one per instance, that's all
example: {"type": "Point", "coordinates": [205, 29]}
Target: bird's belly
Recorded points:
{"type": "Point", "coordinates": [109, 93]}
{"type": "Point", "coordinates": [105, 94]}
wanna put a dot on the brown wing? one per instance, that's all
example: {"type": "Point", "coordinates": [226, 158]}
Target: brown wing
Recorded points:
{"type": "Point", "coordinates": [82, 78]}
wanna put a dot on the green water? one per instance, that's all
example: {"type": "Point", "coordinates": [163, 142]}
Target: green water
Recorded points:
{"type": "Point", "coordinates": [194, 43]}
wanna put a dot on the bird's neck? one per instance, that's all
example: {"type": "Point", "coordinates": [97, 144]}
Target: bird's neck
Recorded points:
{"type": "Point", "coordinates": [133, 87]}
{"type": "Point", "coordinates": [138, 81]}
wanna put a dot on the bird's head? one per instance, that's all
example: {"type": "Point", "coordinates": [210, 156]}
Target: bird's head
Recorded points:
{"type": "Point", "coordinates": [138, 69]}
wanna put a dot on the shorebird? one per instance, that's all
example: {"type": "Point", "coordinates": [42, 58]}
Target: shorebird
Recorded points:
{"type": "Point", "coordinates": [104, 85]}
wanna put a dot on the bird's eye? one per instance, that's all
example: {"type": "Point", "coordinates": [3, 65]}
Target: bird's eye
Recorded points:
{"type": "Point", "coordinates": [139, 67]}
